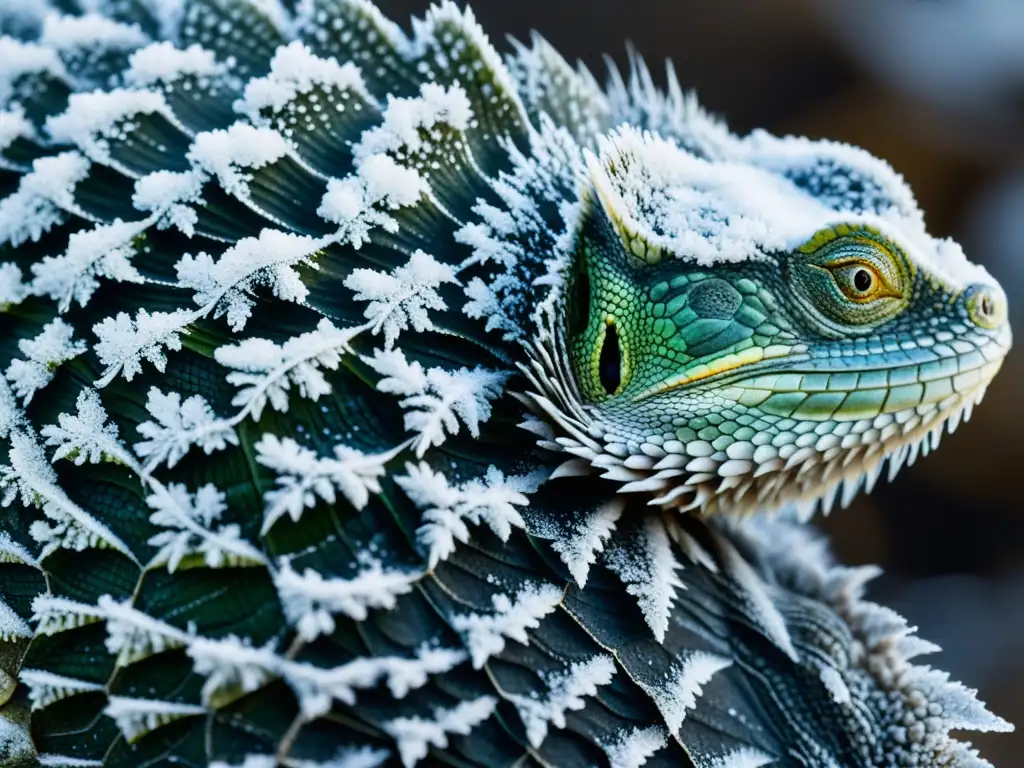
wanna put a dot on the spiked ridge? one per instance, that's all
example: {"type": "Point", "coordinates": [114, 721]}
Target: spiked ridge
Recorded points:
{"type": "Point", "coordinates": [295, 463]}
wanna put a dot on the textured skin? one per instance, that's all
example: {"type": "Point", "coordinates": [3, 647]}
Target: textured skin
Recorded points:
{"type": "Point", "coordinates": [264, 507]}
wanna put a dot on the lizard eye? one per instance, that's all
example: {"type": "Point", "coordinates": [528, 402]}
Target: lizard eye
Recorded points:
{"type": "Point", "coordinates": [861, 282]}
{"type": "Point", "coordinates": [854, 278]}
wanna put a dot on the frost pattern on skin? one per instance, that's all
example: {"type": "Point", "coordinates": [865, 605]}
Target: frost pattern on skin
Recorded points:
{"type": "Point", "coordinates": [292, 451]}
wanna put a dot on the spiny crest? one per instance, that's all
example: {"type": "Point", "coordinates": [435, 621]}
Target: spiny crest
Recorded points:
{"type": "Point", "coordinates": [266, 281]}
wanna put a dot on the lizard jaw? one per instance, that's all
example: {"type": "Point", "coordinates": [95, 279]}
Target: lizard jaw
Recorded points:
{"type": "Point", "coordinates": [810, 476]}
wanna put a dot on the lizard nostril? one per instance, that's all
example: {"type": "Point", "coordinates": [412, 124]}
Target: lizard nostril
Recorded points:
{"type": "Point", "coordinates": [985, 307]}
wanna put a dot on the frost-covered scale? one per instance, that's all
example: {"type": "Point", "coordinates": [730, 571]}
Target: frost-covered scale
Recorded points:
{"type": "Point", "coordinates": [366, 399]}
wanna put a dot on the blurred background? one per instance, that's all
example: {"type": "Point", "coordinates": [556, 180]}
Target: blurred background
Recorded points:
{"type": "Point", "coordinates": [936, 87]}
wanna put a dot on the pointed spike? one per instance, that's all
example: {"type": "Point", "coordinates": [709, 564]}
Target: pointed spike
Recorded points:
{"type": "Point", "coordinates": [896, 462]}
{"type": "Point", "coordinates": [851, 487]}
{"type": "Point", "coordinates": [572, 468]}
{"type": "Point", "coordinates": [871, 477]}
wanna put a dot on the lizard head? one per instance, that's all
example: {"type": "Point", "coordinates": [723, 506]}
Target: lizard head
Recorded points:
{"type": "Point", "coordinates": [768, 325]}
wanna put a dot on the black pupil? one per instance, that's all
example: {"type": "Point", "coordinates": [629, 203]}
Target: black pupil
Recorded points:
{"type": "Point", "coordinates": [610, 363]}
{"type": "Point", "coordinates": [862, 280]}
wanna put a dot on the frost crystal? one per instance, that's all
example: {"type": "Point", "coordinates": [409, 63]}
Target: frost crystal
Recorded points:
{"type": "Point", "coordinates": [43, 196]}
{"type": "Point", "coordinates": [566, 691]}
{"type": "Point", "coordinates": [13, 126]}
{"type": "Point", "coordinates": [124, 342]}
{"type": "Point", "coordinates": [232, 666]}
{"type": "Point", "coordinates": [317, 688]}
{"type": "Point", "coordinates": [133, 635]}
{"type": "Point", "coordinates": [12, 289]}
{"type": "Point", "coordinates": [18, 60]}
{"type": "Point", "coordinates": [265, 371]}
{"type": "Point", "coordinates": [405, 120]}
{"type": "Point", "coordinates": [137, 717]}
{"type": "Point", "coordinates": [678, 693]}
{"type": "Point", "coordinates": [631, 749]}
{"type": "Point", "coordinates": [579, 548]}
{"type": "Point", "coordinates": [58, 614]}
{"type": "Point", "coordinates": [303, 477]}
{"type": "Point", "coordinates": [226, 285]}
{"type": "Point", "coordinates": [401, 299]}
{"type": "Point", "coordinates": [189, 520]}
{"type": "Point", "coordinates": [310, 600]}
{"type": "Point", "coordinates": [162, 63]}
{"type": "Point", "coordinates": [12, 626]}
{"type": "Point", "coordinates": [229, 153]}
{"type": "Point", "coordinates": [69, 34]}
{"type": "Point", "coordinates": [745, 757]}
{"type": "Point", "coordinates": [168, 194]}
{"type": "Point", "coordinates": [92, 120]}
{"type": "Point", "coordinates": [491, 499]}
{"type": "Point", "coordinates": [485, 633]}
{"type": "Point", "coordinates": [179, 426]}
{"type": "Point", "coordinates": [13, 552]}
{"type": "Point", "coordinates": [85, 436]}
{"type": "Point", "coordinates": [102, 252]}
{"type": "Point", "coordinates": [54, 346]}
{"type": "Point", "coordinates": [32, 478]}
{"type": "Point", "coordinates": [437, 400]}
{"type": "Point", "coordinates": [415, 735]}
{"type": "Point", "coordinates": [46, 688]}
{"type": "Point", "coordinates": [360, 202]}
{"type": "Point", "coordinates": [294, 70]}
{"type": "Point", "coordinates": [643, 559]}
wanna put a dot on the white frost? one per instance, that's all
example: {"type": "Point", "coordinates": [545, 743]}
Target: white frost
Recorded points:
{"type": "Point", "coordinates": [645, 563]}
{"type": "Point", "coordinates": [18, 59]}
{"type": "Point", "coordinates": [678, 693]}
{"type": "Point", "coordinates": [54, 345]}
{"type": "Point", "coordinates": [102, 252]}
{"type": "Point", "coordinates": [360, 202]}
{"type": "Point", "coordinates": [230, 153]}
{"type": "Point", "coordinates": [124, 343]}
{"type": "Point", "coordinates": [225, 286]}
{"type": "Point", "coordinates": [167, 194]}
{"type": "Point", "coordinates": [180, 424]}
{"type": "Point", "coordinates": [43, 196]}
{"type": "Point", "coordinates": [567, 690]}
{"type": "Point", "coordinates": [266, 371]}
{"type": "Point", "coordinates": [310, 601]}
{"type": "Point", "coordinates": [188, 522]}
{"type": "Point", "coordinates": [92, 120]}
{"type": "Point", "coordinates": [405, 120]}
{"type": "Point", "coordinates": [485, 633]}
{"type": "Point", "coordinates": [162, 63]}
{"type": "Point", "coordinates": [436, 401]}
{"type": "Point", "coordinates": [415, 735]}
{"type": "Point", "coordinates": [401, 298]}
{"type": "Point", "coordinates": [303, 478]}
{"type": "Point", "coordinates": [294, 70]}
{"type": "Point", "coordinates": [137, 717]}
{"type": "Point", "coordinates": [491, 499]}
{"type": "Point", "coordinates": [68, 34]}
{"type": "Point", "coordinates": [632, 749]}
{"type": "Point", "coordinates": [13, 289]}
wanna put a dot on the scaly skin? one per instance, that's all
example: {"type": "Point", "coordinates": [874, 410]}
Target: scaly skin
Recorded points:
{"type": "Point", "coordinates": [275, 286]}
{"type": "Point", "coordinates": [739, 384]}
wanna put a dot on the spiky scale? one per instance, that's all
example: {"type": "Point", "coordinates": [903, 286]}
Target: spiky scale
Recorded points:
{"type": "Point", "coordinates": [368, 559]}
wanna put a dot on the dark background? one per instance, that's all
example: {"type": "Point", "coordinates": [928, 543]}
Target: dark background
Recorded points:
{"type": "Point", "coordinates": [936, 87]}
